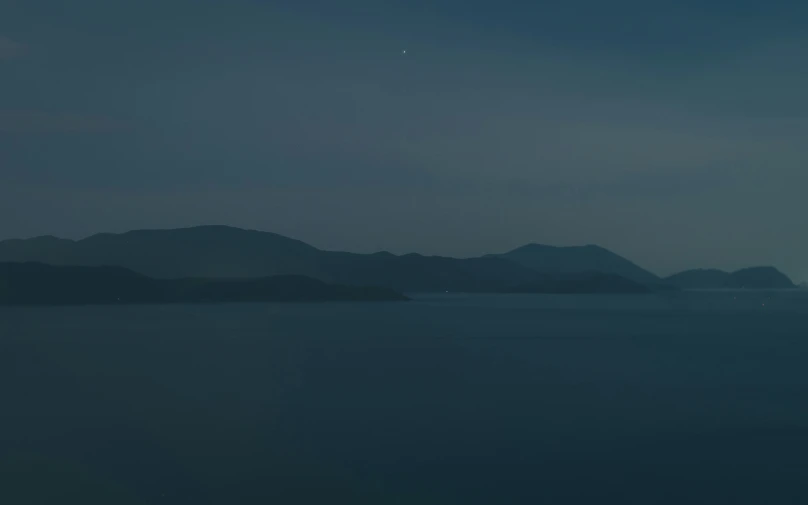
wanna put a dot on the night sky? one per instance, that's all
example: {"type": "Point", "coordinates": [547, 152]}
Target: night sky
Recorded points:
{"type": "Point", "coordinates": [672, 132]}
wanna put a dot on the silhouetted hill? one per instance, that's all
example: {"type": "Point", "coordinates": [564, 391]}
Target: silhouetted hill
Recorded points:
{"type": "Point", "coordinates": [571, 260]}
{"type": "Point", "coordinates": [40, 284]}
{"type": "Point", "coordinates": [591, 283]}
{"type": "Point", "coordinates": [747, 278]}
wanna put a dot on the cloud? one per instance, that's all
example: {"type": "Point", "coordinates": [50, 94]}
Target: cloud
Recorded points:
{"type": "Point", "coordinates": [10, 49]}
{"type": "Point", "coordinates": [34, 122]}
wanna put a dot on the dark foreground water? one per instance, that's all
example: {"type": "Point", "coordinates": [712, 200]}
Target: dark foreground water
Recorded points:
{"type": "Point", "coordinates": [697, 398]}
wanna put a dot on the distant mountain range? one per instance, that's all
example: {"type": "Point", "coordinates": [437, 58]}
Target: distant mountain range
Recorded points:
{"type": "Point", "coordinates": [226, 252]}
{"type": "Point", "coordinates": [40, 284]}
{"type": "Point", "coordinates": [222, 252]}
{"type": "Point", "coordinates": [747, 278]}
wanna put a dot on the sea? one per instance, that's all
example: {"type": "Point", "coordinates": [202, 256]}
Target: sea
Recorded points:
{"type": "Point", "coordinates": [674, 398]}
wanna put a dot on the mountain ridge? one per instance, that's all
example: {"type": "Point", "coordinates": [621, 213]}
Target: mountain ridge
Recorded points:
{"type": "Point", "coordinates": [221, 251]}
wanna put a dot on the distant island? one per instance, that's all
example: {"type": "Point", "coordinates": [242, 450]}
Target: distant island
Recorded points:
{"type": "Point", "coordinates": [747, 278]}
{"type": "Point", "coordinates": [40, 284]}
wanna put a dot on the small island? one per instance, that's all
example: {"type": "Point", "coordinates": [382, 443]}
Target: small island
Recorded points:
{"type": "Point", "coordinates": [41, 284]}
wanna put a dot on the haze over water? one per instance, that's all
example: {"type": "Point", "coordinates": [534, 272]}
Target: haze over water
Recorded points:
{"type": "Point", "coordinates": [449, 399]}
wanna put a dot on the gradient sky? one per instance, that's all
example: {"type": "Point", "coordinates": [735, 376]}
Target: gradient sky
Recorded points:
{"type": "Point", "coordinates": [672, 132]}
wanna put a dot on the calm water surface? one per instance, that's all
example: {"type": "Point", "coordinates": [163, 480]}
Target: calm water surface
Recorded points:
{"type": "Point", "coordinates": [450, 399]}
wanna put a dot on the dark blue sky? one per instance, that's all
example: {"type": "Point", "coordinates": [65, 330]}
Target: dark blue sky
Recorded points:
{"type": "Point", "coordinates": [671, 132]}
